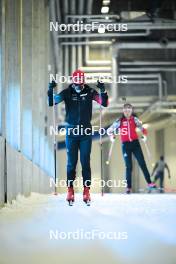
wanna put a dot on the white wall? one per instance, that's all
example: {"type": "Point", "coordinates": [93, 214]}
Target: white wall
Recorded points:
{"type": "Point", "coordinates": [25, 116]}
{"type": "Point", "coordinates": [23, 176]}
{"type": "Point", "coordinates": [1, 171]}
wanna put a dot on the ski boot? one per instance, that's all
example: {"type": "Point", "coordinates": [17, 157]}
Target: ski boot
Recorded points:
{"type": "Point", "coordinates": [86, 195]}
{"type": "Point", "coordinates": [128, 190]}
{"type": "Point", "coordinates": [70, 196]}
{"type": "Point", "coordinates": [151, 186]}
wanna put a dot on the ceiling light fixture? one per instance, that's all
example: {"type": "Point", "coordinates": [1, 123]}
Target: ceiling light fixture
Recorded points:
{"type": "Point", "coordinates": [106, 2]}
{"type": "Point", "coordinates": [105, 9]}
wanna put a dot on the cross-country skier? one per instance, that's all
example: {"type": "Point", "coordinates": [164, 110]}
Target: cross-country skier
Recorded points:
{"type": "Point", "coordinates": [126, 126]}
{"type": "Point", "coordinates": [78, 99]}
{"type": "Point", "coordinates": [158, 172]}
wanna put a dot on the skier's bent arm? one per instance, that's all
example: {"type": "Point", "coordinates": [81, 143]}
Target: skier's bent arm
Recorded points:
{"type": "Point", "coordinates": [54, 99]}
{"type": "Point", "coordinates": [101, 98]}
{"type": "Point", "coordinates": [113, 129]}
{"type": "Point", "coordinates": [140, 126]}
{"type": "Point", "coordinates": [58, 98]}
{"type": "Point", "coordinates": [168, 170]}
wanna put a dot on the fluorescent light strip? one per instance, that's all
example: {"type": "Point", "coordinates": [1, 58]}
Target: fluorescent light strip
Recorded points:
{"type": "Point", "coordinates": [106, 2]}
{"type": "Point", "coordinates": [105, 9]}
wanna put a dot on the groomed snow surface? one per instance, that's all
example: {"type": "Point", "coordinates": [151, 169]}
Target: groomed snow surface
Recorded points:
{"type": "Point", "coordinates": [44, 229]}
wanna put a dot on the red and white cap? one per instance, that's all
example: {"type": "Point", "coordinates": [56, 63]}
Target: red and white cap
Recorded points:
{"type": "Point", "coordinates": [78, 77]}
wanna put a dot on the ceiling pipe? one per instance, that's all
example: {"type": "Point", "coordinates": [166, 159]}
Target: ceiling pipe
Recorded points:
{"type": "Point", "coordinates": [105, 69]}
{"type": "Point", "coordinates": [132, 25]}
{"type": "Point", "coordinates": [79, 47]}
{"type": "Point", "coordinates": [142, 81]}
{"type": "Point", "coordinates": [143, 76]}
{"type": "Point", "coordinates": [93, 16]}
{"type": "Point", "coordinates": [89, 11]}
{"type": "Point", "coordinates": [150, 63]}
{"type": "Point", "coordinates": [147, 27]}
{"type": "Point", "coordinates": [116, 47]}
{"type": "Point", "coordinates": [144, 45]}
{"type": "Point", "coordinates": [89, 7]}
{"type": "Point", "coordinates": [119, 105]}
{"type": "Point", "coordinates": [60, 51]}
{"type": "Point", "coordinates": [66, 48]}
{"type": "Point", "coordinates": [148, 69]}
{"type": "Point", "coordinates": [73, 48]}
{"type": "Point", "coordinates": [166, 110]}
{"type": "Point", "coordinates": [151, 26]}
{"type": "Point", "coordinates": [83, 43]}
{"type": "Point", "coordinates": [104, 35]}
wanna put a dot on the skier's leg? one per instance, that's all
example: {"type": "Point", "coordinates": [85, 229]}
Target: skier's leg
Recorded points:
{"type": "Point", "coordinates": [127, 155]}
{"type": "Point", "coordinates": [156, 177]}
{"type": "Point", "coordinates": [137, 151]}
{"type": "Point", "coordinates": [85, 151]}
{"type": "Point", "coordinates": [72, 146]}
{"type": "Point", "coordinates": [162, 181]}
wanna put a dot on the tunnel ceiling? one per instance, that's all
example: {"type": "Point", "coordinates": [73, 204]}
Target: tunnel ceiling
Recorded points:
{"type": "Point", "coordinates": [116, 7]}
{"type": "Point", "coordinates": [153, 12]}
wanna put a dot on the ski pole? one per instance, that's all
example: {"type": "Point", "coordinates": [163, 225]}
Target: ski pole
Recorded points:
{"type": "Point", "coordinates": [101, 143]}
{"type": "Point", "coordinates": [148, 151]}
{"type": "Point", "coordinates": [101, 147]}
{"type": "Point", "coordinates": [110, 153]}
{"type": "Point", "coordinates": [55, 146]}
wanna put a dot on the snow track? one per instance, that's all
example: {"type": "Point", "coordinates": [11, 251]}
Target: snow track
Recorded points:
{"type": "Point", "coordinates": [144, 223]}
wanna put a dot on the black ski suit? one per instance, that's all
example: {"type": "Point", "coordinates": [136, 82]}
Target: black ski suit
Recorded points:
{"type": "Point", "coordinates": [78, 108]}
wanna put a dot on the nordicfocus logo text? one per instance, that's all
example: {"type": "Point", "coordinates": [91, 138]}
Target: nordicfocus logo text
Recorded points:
{"type": "Point", "coordinates": [95, 182]}
{"type": "Point", "coordinates": [81, 234]}
{"type": "Point", "coordinates": [79, 130]}
{"type": "Point", "coordinates": [79, 26]}
{"type": "Point", "coordinates": [89, 78]}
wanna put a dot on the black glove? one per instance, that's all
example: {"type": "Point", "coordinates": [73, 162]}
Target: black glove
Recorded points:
{"type": "Point", "coordinates": [101, 86]}
{"type": "Point", "coordinates": [51, 86]}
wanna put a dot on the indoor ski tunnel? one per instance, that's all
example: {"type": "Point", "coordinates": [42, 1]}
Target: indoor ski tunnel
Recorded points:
{"type": "Point", "coordinates": [87, 131]}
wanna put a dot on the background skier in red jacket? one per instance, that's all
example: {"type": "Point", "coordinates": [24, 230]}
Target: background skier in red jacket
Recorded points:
{"type": "Point", "coordinates": [126, 126]}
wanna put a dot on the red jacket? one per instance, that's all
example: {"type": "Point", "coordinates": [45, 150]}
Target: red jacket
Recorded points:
{"type": "Point", "coordinates": [127, 128]}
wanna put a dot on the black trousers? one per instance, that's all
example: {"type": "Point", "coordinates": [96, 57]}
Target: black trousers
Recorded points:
{"type": "Point", "coordinates": [73, 145]}
{"type": "Point", "coordinates": [160, 176]}
{"type": "Point", "coordinates": [129, 148]}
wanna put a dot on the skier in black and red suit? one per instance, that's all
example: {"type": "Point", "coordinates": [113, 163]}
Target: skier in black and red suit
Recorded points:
{"type": "Point", "coordinates": [78, 99]}
{"type": "Point", "coordinates": [127, 125]}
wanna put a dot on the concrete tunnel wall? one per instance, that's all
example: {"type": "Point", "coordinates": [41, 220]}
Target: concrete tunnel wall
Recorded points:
{"type": "Point", "coordinates": [25, 116]}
